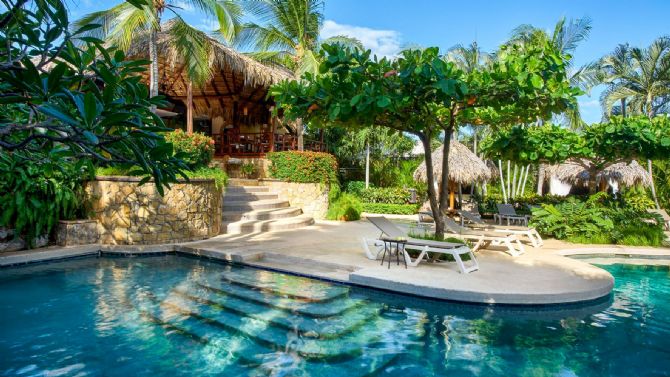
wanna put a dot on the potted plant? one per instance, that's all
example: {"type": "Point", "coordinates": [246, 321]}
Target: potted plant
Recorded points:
{"type": "Point", "coordinates": [248, 170]}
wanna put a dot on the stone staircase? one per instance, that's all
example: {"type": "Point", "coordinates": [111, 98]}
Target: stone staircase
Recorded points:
{"type": "Point", "coordinates": [250, 208]}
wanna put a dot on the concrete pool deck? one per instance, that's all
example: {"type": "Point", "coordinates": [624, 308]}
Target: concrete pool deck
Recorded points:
{"type": "Point", "coordinates": [332, 250]}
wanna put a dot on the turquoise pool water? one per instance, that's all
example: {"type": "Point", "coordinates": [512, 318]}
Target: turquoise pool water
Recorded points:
{"type": "Point", "coordinates": [173, 315]}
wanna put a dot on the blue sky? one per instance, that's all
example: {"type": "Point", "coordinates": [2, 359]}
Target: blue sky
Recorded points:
{"type": "Point", "coordinates": [386, 26]}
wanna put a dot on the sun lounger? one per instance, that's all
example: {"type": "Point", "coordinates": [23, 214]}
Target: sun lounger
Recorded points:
{"type": "Point", "coordinates": [390, 230]}
{"type": "Point", "coordinates": [507, 212]}
{"type": "Point", "coordinates": [485, 238]}
{"type": "Point", "coordinates": [664, 215]}
{"type": "Point", "coordinates": [474, 220]}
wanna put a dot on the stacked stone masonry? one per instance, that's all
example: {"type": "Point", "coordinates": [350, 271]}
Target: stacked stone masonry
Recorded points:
{"type": "Point", "coordinates": [129, 214]}
{"type": "Point", "coordinates": [312, 198]}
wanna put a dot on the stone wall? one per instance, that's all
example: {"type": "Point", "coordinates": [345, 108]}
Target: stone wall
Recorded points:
{"type": "Point", "coordinates": [129, 214]}
{"type": "Point", "coordinates": [232, 166]}
{"type": "Point", "coordinates": [312, 198]}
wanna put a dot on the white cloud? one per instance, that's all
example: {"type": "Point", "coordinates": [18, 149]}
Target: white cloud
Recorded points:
{"type": "Point", "coordinates": [590, 103]}
{"type": "Point", "coordinates": [381, 42]}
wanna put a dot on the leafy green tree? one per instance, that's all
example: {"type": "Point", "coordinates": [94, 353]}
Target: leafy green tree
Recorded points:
{"type": "Point", "coordinates": [288, 33]}
{"type": "Point", "coordinates": [66, 102]}
{"type": "Point", "coordinates": [422, 94]}
{"type": "Point", "coordinates": [595, 148]}
{"type": "Point", "coordinates": [140, 20]}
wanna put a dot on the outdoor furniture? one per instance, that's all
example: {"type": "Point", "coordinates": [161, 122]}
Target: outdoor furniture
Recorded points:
{"type": "Point", "coordinates": [485, 238]}
{"type": "Point", "coordinates": [388, 247]}
{"type": "Point", "coordinates": [507, 212]}
{"type": "Point", "coordinates": [474, 220]}
{"type": "Point", "coordinates": [390, 230]}
{"type": "Point", "coordinates": [664, 215]}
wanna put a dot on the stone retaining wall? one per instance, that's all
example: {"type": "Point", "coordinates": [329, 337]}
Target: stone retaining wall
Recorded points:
{"type": "Point", "coordinates": [312, 198]}
{"type": "Point", "coordinates": [129, 214]}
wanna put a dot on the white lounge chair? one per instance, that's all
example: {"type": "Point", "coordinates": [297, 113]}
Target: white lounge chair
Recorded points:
{"type": "Point", "coordinates": [507, 212]}
{"type": "Point", "coordinates": [484, 238]}
{"type": "Point", "coordinates": [424, 246]}
{"type": "Point", "coordinates": [474, 220]}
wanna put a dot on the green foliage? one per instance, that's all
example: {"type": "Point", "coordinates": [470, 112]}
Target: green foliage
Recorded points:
{"type": "Point", "coordinates": [603, 143]}
{"type": "Point", "coordinates": [388, 195]}
{"type": "Point", "coordinates": [35, 195]}
{"type": "Point", "coordinates": [304, 167]}
{"type": "Point", "coordinates": [64, 96]}
{"type": "Point", "coordinates": [219, 176]}
{"type": "Point", "coordinates": [355, 187]}
{"type": "Point", "coordinates": [598, 219]}
{"type": "Point", "coordinates": [248, 169]}
{"type": "Point", "coordinates": [195, 149]}
{"type": "Point", "coordinates": [637, 198]}
{"type": "Point", "coordinates": [392, 209]}
{"type": "Point", "coordinates": [662, 180]}
{"type": "Point", "coordinates": [345, 207]}
{"type": "Point", "coordinates": [570, 219]}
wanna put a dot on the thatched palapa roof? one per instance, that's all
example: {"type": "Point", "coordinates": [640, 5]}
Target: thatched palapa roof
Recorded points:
{"type": "Point", "coordinates": [235, 76]}
{"type": "Point", "coordinates": [464, 166]}
{"type": "Point", "coordinates": [577, 173]}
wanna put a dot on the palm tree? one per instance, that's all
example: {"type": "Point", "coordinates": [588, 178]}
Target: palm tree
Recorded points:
{"type": "Point", "coordinates": [288, 33]}
{"type": "Point", "coordinates": [468, 58]}
{"type": "Point", "coordinates": [125, 23]}
{"type": "Point", "coordinates": [640, 80]}
{"type": "Point", "coordinates": [565, 38]}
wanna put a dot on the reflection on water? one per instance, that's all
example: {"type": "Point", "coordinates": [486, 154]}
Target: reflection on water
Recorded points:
{"type": "Point", "coordinates": [173, 315]}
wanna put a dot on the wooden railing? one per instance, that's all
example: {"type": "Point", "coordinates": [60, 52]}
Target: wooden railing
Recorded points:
{"type": "Point", "coordinates": [257, 144]}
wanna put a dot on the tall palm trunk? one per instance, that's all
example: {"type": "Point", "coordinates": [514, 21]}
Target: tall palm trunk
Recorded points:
{"type": "Point", "coordinates": [153, 70]}
{"type": "Point", "coordinates": [299, 131]}
{"type": "Point", "coordinates": [540, 179]}
{"type": "Point", "coordinates": [650, 113]}
{"type": "Point", "coordinates": [623, 107]}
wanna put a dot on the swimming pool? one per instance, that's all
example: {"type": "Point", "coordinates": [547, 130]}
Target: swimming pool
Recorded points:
{"type": "Point", "coordinates": [175, 315]}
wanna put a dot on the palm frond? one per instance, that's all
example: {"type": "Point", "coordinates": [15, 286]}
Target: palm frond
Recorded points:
{"type": "Point", "coordinates": [192, 47]}
{"type": "Point", "coordinates": [227, 12]}
{"type": "Point", "coordinates": [114, 23]}
{"type": "Point", "coordinates": [307, 63]}
{"type": "Point", "coordinates": [345, 41]}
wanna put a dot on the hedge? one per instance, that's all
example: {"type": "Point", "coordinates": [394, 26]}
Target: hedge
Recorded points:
{"type": "Point", "coordinates": [303, 167]}
{"type": "Point", "coordinates": [391, 209]}
{"type": "Point", "coordinates": [388, 195]}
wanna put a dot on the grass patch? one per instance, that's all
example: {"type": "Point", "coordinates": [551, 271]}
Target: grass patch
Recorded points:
{"type": "Point", "coordinates": [344, 207]}
{"type": "Point", "coordinates": [391, 209]}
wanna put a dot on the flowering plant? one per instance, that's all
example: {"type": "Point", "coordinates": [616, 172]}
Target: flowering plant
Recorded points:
{"type": "Point", "coordinates": [196, 149]}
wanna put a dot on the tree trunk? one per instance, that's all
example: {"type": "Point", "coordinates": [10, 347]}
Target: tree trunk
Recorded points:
{"type": "Point", "coordinates": [299, 131]}
{"type": "Point", "coordinates": [623, 107]}
{"type": "Point", "coordinates": [432, 193]}
{"type": "Point", "coordinates": [540, 179]}
{"type": "Point", "coordinates": [502, 181]}
{"type": "Point", "coordinates": [444, 182]}
{"type": "Point", "coordinates": [153, 69]}
{"type": "Point", "coordinates": [367, 165]}
{"type": "Point", "coordinates": [189, 107]}
{"type": "Point", "coordinates": [653, 186]}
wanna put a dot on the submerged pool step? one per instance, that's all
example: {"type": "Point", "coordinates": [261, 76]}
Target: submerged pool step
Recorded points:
{"type": "Point", "coordinates": [314, 310]}
{"type": "Point", "coordinates": [369, 361]}
{"type": "Point", "coordinates": [321, 328]}
{"type": "Point", "coordinates": [298, 288]}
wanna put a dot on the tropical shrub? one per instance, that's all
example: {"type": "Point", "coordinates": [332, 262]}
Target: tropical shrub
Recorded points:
{"type": "Point", "coordinates": [195, 149]}
{"type": "Point", "coordinates": [637, 198]}
{"type": "Point", "coordinates": [392, 209]}
{"type": "Point", "coordinates": [304, 167]}
{"type": "Point", "coordinates": [345, 207]}
{"type": "Point", "coordinates": [388, 195]}
{"type": "Point", "coordinates": [35, 195]}
{"type": "Point", "coordinates": [355, 187]}
{"type": "Point", "coordinates": [570, 219]}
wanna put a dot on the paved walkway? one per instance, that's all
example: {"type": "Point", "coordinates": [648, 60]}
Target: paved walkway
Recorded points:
{"type": "Point", "coordinates": [332, 250]}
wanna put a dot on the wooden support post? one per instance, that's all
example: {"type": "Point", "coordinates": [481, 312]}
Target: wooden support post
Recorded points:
{"type": "Point", "coordinates": [189, 107]}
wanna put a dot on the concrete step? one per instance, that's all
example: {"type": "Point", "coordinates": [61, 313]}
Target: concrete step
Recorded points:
{"type": "Point", "coordinates": [263, 214]}
{"type": "Point", "coordinates": [254, 205]}
{"type": "Point", "coordinates": [248, 196]}
{"type": "Point", "coordinates": [243, 182]}
{"type": "Point", "coordinates": [244, 189]}
{"type": "Point", "coordinates": [253, 226]}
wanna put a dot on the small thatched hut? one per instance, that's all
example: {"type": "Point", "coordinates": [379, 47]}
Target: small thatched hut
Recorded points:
{"type": "Point", "coordinates": [464, 167]}
{"type": "Point", "coordinates": [232, 106]}
{"type": "Point", "coordinates": [578, 173]}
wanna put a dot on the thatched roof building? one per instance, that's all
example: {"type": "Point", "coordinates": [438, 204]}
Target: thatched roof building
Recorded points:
{"type": "Point", "coordinates": [578, 173]}
{"type": "Point", "coordinates": [237, 80]}
{"type": "Point", "coordinates": [464, 166]}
